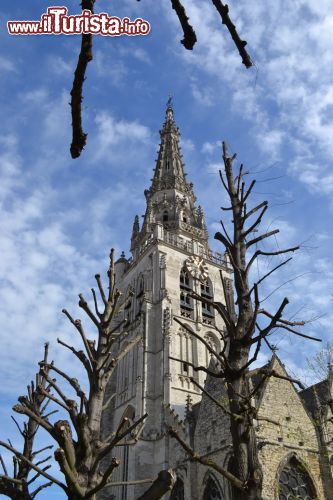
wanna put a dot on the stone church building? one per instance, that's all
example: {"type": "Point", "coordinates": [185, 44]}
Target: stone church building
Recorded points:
{"type": "Point", "coordinates": [170, 258]}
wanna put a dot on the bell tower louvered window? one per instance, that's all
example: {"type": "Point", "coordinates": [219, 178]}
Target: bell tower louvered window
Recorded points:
{"type": "Point", "coordinates": [186, 301]}
{"type": "Point", "coordinates": [207, 309]}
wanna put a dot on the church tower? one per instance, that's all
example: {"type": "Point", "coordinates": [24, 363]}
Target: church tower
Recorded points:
{"type": "Point", "coordinates": [170, 260]}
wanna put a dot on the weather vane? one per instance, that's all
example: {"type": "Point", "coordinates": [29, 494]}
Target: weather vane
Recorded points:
{"type": "Point", "coordinates": [169, 102]}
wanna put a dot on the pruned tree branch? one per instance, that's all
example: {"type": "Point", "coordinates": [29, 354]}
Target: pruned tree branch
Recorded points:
{"type": "Point", "coordinates": [219, 405]}
{"type": "Point", "coordinates": [204, 461]}
{"type": "Point", "coordinates": [20, 456]}
{"type": "Point", "coordinates": [79, 138]}
{"type": "Point", "coordinates": [223, 10]}
{"type": "Point", "coordinates": [199, 368]}
{"type": "Point", "coordinates": [17, 486]}
{"type": "Point", "coordinates": [269, 372]}
{"type": "Point", "coordinates": [219, 358]}
{"type": "Point", "coordinates": [190, 37]}
{"type": "Point", "coordinates": [162, 484]}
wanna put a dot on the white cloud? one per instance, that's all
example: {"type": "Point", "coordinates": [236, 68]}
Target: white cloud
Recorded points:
{"type": "Point", "coordinates": [111, 67]}
{"type": "Point", "coordinates": [288, 102]}
{"type": "Point", "coordinates": [59, 65]}
{"type": "Point", "coordinates": [136, 52]}
{"type": "Point", "coordinates": [210, 147]}
{"type": "Point", "coordinates": [215, 167]}
{"type": "Point", "coordinates": [111, 133]}
{"type": "Point", "coordinates": [38, 96]}
{"type": "Point", "coordinates": [187, 144]}
{"type": "Point", "coordinates": [201, 94]}
{"type": "Point", "coordinates": [6, 65]}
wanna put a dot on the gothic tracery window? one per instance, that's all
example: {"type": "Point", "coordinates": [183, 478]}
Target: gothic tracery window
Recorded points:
{"type": "Point", "coordinates": [212, 491]}
{"type": "Point", "coordinates": [177, 492]}
{"type": "Point", "coordinates": [295, 482]}
{"type": "Point", "coordinates": [187, 349]}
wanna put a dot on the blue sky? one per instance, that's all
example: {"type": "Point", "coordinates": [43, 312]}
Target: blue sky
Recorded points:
{"type": "Point", "coordinates": [60, 217]}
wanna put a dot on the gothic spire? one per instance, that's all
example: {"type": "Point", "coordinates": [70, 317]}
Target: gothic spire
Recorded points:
{"type": "Point", "coordinates": [135, 231]}
{"type": "Point", "coordinates": [136, 226]}
{"type": "Point", "coordinates": [169, 171]}
{"type": "Point", "coordinates": [170, 198]}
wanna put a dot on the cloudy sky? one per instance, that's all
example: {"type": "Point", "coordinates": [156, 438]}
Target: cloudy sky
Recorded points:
{"type": "Point", "coordinates": [60, 217]}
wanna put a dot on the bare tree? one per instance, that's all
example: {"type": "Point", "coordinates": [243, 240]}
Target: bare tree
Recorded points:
{"type": "Point", "coordinates": [81, 447]}
{"type": "Point", "coordinates": [79, 137]}
{"type": "Point", "coordinates": [20, 485]}
{"type": "Point", "coordinates": [321, 362]}
{"type": "Point", "coordinates": [245, 332]}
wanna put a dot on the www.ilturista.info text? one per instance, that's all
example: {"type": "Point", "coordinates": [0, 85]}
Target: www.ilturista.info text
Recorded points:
{"type": "Point", "coordinates": [57, 21]}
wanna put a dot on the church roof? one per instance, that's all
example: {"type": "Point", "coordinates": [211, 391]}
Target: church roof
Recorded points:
{"type": "Point", "coordinates": [316, 396]}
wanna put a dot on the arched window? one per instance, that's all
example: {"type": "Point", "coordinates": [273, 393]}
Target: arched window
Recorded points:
{"type": "Point", "coordinates": [128, 308]}
{"type": "Point", "coordinates": [123, 376]}
{"type": "Point", "coordinates": [184, 279]}
{"type": "Point", "coordinates": [207, 309]}
{"type": "Point", "coordinates": [295, 482]}
{"type": "Point", "coordinates": [187, 349]}
{"type": "Point", "coordinates": [186, 301]}
{"type": "Point", "coordinates": [232, 491]}
{"type": "Point", "coordinates": [212, 490]}
{"type": "Point", "coordinates": [140, 286]}
{"type": "Point", "coordinates": [165, 216]}
{"type": "Point", "coordinates": [177, 492]}
{"type": "Point", "coordinates": [140, 290]}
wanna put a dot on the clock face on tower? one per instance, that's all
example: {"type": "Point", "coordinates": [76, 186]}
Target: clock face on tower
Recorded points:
{"type": "Point", "coordinates": [197, 267]}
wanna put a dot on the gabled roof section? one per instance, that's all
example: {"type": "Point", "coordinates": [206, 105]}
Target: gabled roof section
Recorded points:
{"type": "Point", "coordinates": [260, 381]}
{"type": "Point", "coordinates": [317, 396]}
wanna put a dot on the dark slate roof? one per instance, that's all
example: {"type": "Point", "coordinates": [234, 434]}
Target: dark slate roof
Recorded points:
{"type": "Point", "coordinates": [195, 411]}
{"type": "Point", "coordinates": [316, 396]}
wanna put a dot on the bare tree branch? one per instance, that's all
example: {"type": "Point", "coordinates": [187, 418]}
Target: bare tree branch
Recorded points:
{"type": "Point", "coordinates": [268, 372]}
{"type": "Point", "coordinates": [223, 408]}
{"type": "Point", "coordinates": [204, 461]}
{"type": "Point", "coordinates": [198, 368]}
{"type": "Point", "coordinates": [32, 465]}
{"type": "Point", "coordinates": [260, 252]}
{"type": "Point", "coordinates": [190, 37]}
{"type": "Point", "coordinates": [79, 138]}
{"type": "Point", "coordinates": [202, 340]}
{"type": "Point", "coordinates": [162, 484]}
